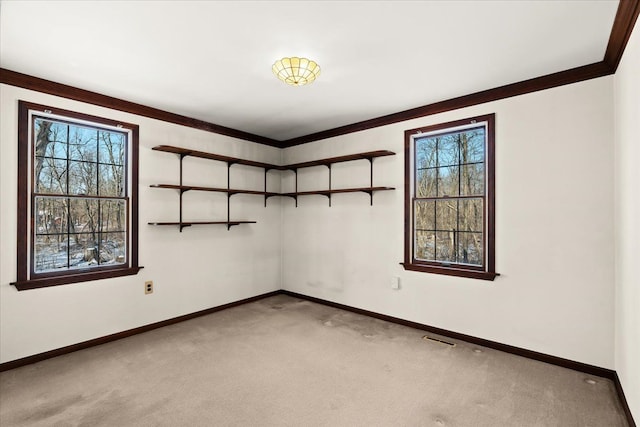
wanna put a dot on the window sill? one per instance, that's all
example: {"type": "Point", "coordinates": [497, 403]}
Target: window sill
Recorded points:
{"type": "Point", "coordinates": [74, 278]}
{"type": "Point", "coordinates": [471, 274]}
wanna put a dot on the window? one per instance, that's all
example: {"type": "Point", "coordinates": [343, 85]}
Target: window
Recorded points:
{"type": "Point", "coordinates": [77, 197]}
{"type": "Point", "coordinates": [449, 198]}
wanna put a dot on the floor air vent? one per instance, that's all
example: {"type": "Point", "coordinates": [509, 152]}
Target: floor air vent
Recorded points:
{"type": "Point", "coordinates": [428, 338]}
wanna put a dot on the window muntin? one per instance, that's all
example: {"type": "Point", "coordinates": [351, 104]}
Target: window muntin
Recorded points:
{"type": "Point", "coordinates": [77, 204]}
{"type": "Point", "coordinates": [449, 198]}
{"type": "Point", "coordinates": [80, 196]}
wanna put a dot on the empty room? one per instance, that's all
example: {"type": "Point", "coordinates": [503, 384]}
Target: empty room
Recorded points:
{"type": "Point", "coordinates": [320, 213]}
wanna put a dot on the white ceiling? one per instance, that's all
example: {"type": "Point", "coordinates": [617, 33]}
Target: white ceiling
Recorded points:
{"type": "Point", "coordinates": [211, 60]}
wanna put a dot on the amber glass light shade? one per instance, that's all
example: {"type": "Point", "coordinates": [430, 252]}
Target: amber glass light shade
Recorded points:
{"type": "Point", "coordinates": [296, 71]}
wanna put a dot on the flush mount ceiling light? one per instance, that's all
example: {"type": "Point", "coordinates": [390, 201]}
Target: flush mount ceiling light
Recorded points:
{"type": "Point", "coordinates": [296, 71]}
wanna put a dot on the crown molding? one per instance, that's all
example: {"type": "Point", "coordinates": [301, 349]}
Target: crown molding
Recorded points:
{"type": "Point", "coordinates": [26, 81]}
{"type": "Point", "coordinates": [624, 21]}
{"type": "Point", "coordinates": [623, 24]}
{"type": "Point", "coordinates": [549, 81]}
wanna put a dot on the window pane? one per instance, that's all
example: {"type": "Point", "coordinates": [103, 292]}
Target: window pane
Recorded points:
{"type": "Point", "coordinates": [77, 173]}
{"type": "Point", "coordinates": [84, 250]}
{"type": "Point", "coordinates": [472, 180]}
{"type": "Point", "coordinates": [51, 215]}
{"type": "Point", "coordinates": [50, 138]}
{"type": "Point", "coordinates": [50, 253]}
{"type": "Point", "coordinates": [83, 144]}
{"type": "Point", "coordinates": [425, 245]}
{"type": "Point", "coordinates": [425, 214]}
{"type": "Point", "coordinates": [470, 248]}
{"type": "Point", "coordinates": [447, 215]}
{"type": "Point", "coordinates": [452, 203]}
{"type": "Point", "coordinates": [426, 183]}
{"type": "Point", "coordinates": [445, 246]}
{"type": "Point", "coordinates": [448, 180]}
{"type": "Point", "coordinates": [111, 181]}
{"type": "Point", "coordinates": [425, 152]}
{"type": "Point", "coordinates": [50, 175]}
{"type": "Point", "coordinates": [112, 147]}
{"type": "Point", "coordinates": [449, 230]}
{"type": "Point", "coordinates": [84, 216]}
{"type": "Point", "coordinates": [113, 215]}
{"type": "Point", "coordinates": [113, 248]}
{"type": "Point", "coordinates": [471, 215]}
{"type": "Point", "coordinates": [472, 145]}
{"type": "Point", "coordinates": [448, 150]}
{"type": "Point", "coordinates": [82, 178]}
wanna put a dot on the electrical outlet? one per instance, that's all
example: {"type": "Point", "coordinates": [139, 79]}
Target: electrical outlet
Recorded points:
{"type": "Point", "coordinates": [395, 283]}
{"type": "Point", "coordinates": [148, 287]}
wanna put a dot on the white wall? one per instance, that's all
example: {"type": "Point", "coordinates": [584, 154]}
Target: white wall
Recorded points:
{"type": "Point", "coordinates": [554, 237]}
{"type": "Point", "coordinates": [627, 216]}
{"type": "Point", "coordinates": [201, 267]}
{"type": "Point", "coordinates": [554, 232]}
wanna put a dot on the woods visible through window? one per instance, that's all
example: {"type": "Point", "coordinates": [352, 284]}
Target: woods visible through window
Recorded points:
{"type": "Point", "coordinates": [80, 209]}
{"type": "Point", "coordinates": [80, 196]}
{"type": "Point", "coordinates": [450, 198]}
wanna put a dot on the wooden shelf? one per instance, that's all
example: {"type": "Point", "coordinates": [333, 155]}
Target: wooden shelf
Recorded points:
{"type": "Point", "coordinates": [184, 152]}
{"type": "Point", "coordinates": [184, 224]}
{"type": "Point", "coordinates": [367, 190]}
{"type": "Point", "coordinates": [328, 193]}
{"type": "Point", "coordinates": [268, 166]}
{"type": "Point", "coordinates": [328, 161]}
{"type": "Point", "coordinates": [230, 191]}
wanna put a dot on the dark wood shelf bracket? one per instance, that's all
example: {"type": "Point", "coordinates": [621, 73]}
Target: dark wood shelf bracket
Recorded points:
{"type": "Point", "coordinates": [268, 194]}
{"type": "Point", "coordinates": [182, 225]}
{"type": "Point", "coordinates": [370, 180]}
{"type": "Point", "coordinates": [329, 194]}
{"type": "Point", "coordinates": [265, 187]}
{"type": "Point", "coordinates": [229, 164]}
{"type": "Point", "coordinates": [370, 193]}
{"type": "Point", "coordinates": [230, 161]}
{"type": "Point", "coordinates": [229, 211]}
{"type": "Point", "coordinates": [182, 190]}
{"type": "Point", "coordinates": [293, 195]}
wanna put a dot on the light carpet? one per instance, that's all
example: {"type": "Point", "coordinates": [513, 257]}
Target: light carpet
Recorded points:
{"type": "Point", "coordinates": [282, 361]}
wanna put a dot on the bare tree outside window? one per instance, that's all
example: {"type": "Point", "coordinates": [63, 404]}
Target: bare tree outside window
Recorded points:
{"type": "Point", "coordinates": [79, 196]}
{"type": "Point", "coordinates": [450, 202]}
{"type": "Point", "coordinates": [449, 195]}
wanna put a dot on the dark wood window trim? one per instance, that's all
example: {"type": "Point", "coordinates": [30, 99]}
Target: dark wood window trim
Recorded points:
{"type": "Point", "coordinates": [27, 279]}
{"type": "Point", "coordinates": [487, 272]}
